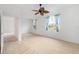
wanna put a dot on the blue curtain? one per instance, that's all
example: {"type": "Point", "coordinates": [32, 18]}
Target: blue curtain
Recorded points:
{"type": "Point", "coordinates": [57, 22]}
{"type": "Point", "coordinates": [47, 21]}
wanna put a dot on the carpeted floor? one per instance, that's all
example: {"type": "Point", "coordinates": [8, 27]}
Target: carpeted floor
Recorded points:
{"type": "Point", "coordinates": [33, 44]}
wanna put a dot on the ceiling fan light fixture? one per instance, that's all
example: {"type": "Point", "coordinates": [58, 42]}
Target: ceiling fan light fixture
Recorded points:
{"type": "Point", "coordinates": [41, 11]}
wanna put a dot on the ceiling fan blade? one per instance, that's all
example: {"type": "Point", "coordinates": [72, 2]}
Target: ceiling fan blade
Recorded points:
{"type": "Point", "coordinates": [45, 11]}
{"type": "Point", "coordinates": [36, 13]}
{"type": "Point", "coordinates": [35, 10]}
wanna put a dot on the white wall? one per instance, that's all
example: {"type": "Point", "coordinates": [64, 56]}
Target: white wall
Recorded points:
{"type": "Point", "coordinates": [7, 25]}
{"type": "Point", "coordinates": [26, 24]}
{"type": "Point", "coordinates": [14, 25]}
{"type": "Point", "coordinates": [23, 12]}
{"type": "Point", "coordinates": [69, 25]}
{"type": "Point", "coordinates": [17, 10]}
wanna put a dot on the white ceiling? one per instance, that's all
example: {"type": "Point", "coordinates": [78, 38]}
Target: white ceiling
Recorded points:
{"type": "Point", "coordinates": [25, 10]}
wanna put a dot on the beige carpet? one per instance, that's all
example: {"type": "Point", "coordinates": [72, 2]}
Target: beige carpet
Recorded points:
{"type": "Point", "coordinates": [33, 44]}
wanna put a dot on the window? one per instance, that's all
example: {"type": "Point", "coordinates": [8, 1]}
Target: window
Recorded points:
{"type": "Point", "coordinates": [53, 23]}
{"type": "Point", "coordinates": [34, 23]}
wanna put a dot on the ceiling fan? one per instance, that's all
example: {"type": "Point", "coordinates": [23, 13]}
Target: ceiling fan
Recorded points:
{"type": "Point", "coordinates": [41, 10]}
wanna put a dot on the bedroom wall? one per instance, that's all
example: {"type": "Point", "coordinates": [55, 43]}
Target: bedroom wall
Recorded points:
{"type": "Point", "coordinates": [15, 26]}
{"type": "Point", "coordinates": [26, 24]}
{"type": "Point", "coordinates": [69, 25]}
{"type": "Point", "coordinates": [16, 11]}
{"type": "Point", "coordinates": [7, 25]}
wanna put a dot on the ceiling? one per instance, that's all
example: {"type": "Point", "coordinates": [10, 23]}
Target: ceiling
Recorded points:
{"type": "Point", "coordinates": [25, 10]}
